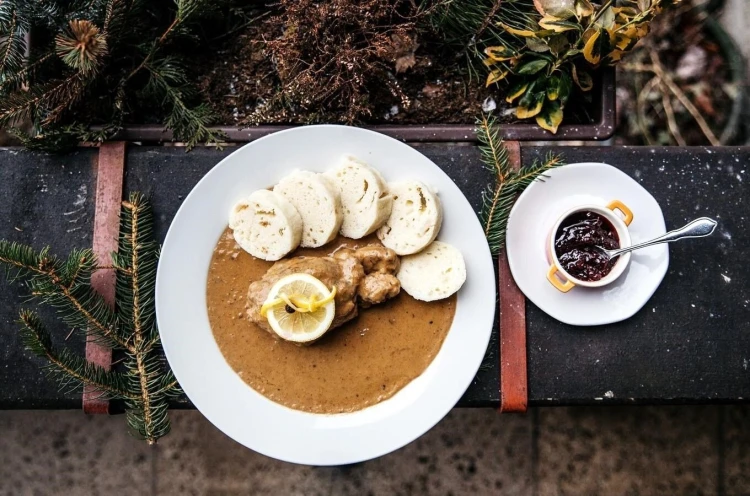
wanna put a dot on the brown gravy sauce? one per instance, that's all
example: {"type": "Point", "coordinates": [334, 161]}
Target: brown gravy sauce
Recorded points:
{"type": "Point", "coordinates": [363, 362]}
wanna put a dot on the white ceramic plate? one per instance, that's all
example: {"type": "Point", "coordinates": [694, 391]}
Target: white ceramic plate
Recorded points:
{"type": "Point", "coordinates": [234, 407]}
{"type": "Point", "coordinates": [534, 215]}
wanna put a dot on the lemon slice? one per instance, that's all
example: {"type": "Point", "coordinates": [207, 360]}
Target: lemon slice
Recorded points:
{"type": "Point", "coordinates": [300, 308]}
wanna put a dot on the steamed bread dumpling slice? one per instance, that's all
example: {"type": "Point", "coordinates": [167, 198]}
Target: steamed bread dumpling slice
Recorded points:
{"type": "Point", "coordinates": [365, 199]}
{"type": "Point", "coordinates": [434, 273]}
{"type": "Point", "coordinates": [266, 225]}
{"type": "Point", "coordinates": [415, 218]}
{"type": "Point", "coordinates": [318, 202]}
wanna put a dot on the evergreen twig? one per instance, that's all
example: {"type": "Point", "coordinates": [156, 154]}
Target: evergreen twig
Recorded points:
{"type": "Point", "coordinates": [498, 198]}
{"type": "Point", "coordinates": [70, 370]}
{"type": "Point", "coordinates": [147, 383]}
{"type": "Point", "coordinates": [99, 49]}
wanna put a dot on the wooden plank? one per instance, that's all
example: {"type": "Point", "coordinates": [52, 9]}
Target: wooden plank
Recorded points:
{"type": "Point", "coordinates": [513, 372]}
{"type": "Point", "coordinates": [110, 169]}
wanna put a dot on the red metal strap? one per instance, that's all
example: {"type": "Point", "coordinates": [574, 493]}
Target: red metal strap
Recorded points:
{"type": "Point", "coordinates": [109, 177]}
{"type": "Point", "coordinates": [513, 374]}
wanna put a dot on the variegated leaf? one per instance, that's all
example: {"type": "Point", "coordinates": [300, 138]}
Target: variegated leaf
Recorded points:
{"type": "Point", "coordinates": [495, 76]}
{"type": "Point", "coordinates": [531, 67]}
{"type": "Point", "coordinates": [558, 25]}
{"type": "Point", "coordinates": [516, 90]}
{"type": "Point", "coordinates": [550, 117]}
{"type": "Point", "coordinates": [499, 53]}
{"type": "Point", "coordinates": [523, 33]}
{"type": "Point", "coordinates": [597, 46]}
{"type": "Point", "coordinates": [528, 112]}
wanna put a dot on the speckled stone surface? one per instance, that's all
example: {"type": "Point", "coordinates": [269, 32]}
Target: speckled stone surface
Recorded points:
{"type": "Point", "coordinates": [554, 451]}
{"type": "Point", "coordinates": [45, 200]}
{"type": "Point", "coordinates": [735, 427]}
{"type": "Point", "coordinates": [50, 453]}
{"type": "Point", "coordinates": [649, 450]}
{"type": "Point", "coordinates": [470, 451]}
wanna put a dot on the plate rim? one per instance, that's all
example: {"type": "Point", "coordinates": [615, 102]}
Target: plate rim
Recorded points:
{"type": "Point", "coordinates": [482, 253]}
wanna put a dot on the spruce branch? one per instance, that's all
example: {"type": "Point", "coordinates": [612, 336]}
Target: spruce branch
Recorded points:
{"type": "Point", "coordinates": [12, 48]}
{"type": "Point", "coordinates": [71, 371]}
{"type": "Point", "coordinates": [146, 384]}
{"type": "Point", "coordinates": [136, 262]}
{"type": "Point", "coordinates": [13, 80]}
{"type": "Point", "coordinates": [499, 197]}
{"type": "Point", "coordinates": [168, 78]}
{"type": "Point", "coordinates": [57, 95]}
{"type": "Point", "coordinates": [88, 63]}
{"type": "Point", "coordinates": [56, 138]}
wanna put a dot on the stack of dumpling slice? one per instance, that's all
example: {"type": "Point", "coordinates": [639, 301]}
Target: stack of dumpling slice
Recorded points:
{"type": "Point", "coordinates": [309, 209]}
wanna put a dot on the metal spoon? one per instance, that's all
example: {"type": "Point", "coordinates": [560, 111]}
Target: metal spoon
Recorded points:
{"type": "Point", "coordinates": [698, 228]}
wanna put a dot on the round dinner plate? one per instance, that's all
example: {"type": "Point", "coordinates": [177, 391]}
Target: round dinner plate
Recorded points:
{"type": "Point", "coordinates": [220, 394]}
{"type": "Point", "coordinates": [533, 217]}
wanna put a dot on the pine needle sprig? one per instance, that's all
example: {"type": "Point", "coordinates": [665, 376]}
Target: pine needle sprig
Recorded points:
{"type": "Point", "coordinates": [167, 77]}
{"type": "Point", "coordinates": [494, 154]}
{"type": "Point", "coordinates": [535, 171]}
{"type": "Point", "coordinates": [499, 197]}
{"type": "Point", "coordinates": [65, 286]}
{"type": "Point", "coordinates": [71, 371]}
{"type": "Point", "coordinates": [136, 264]}
{"type": "Point", "coordinates": [12, 48]}
{"type": "Point", "coordinates": [91, 63]}
{"type": "Point", "coordinates": [146, 383]}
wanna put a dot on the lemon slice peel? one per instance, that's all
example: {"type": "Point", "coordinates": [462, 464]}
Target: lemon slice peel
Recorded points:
{"type": "Point", "coordinates": [300, 308]}
{"type": "Point", "coordinates": [298, 303]}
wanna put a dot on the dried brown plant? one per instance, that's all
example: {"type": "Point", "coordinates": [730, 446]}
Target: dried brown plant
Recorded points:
{"type": "Point", "coordinates": [330, 55]}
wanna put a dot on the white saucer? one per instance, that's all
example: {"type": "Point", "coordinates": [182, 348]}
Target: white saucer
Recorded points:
{"type": "Point", "coordinates": [534, 214]}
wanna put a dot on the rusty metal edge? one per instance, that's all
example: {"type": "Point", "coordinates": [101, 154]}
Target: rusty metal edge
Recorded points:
{"type": "Point", "coordinates": [602, 130]}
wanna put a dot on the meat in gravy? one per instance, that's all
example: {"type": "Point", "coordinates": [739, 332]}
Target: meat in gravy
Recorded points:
{"type": "Point", "coordinates": [366, 360]}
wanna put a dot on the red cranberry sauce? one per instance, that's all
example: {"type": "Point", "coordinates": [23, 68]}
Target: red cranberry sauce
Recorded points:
{"type": "Point", "coordinates": [575, 245]}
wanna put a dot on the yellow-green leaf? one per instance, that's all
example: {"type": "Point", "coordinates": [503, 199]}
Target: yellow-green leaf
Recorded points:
{"type": "Point", "coordinates": [558, 86]}
{"type": "Point", "coordinates": [557, 25]}
{"type": "Point", "coordinates": [499, 53]}
{"type": "Point", "coordinates": [531, 67]}
{"type": "Point", "coordinates": [551, 117]}
{"type": "Point", "coordinates": [515, 91]}
{"type": "Point", "coordinates": [596, 47]}
{"type": "Point", "coordinates": [523, 33]}
{"type": "Point", "coordinates": [623, 42]}
{"type": "Point", "coordinates": [615, 56]}
{"type": "Point", "coordinates": [630, 31]}
{"type": "Point", "coordinates": [527, 112]}
{"type": "Point", "coordinates": [583, 79]}
{"type": "Point", "coordinates": [553, 88]}
{"type": "Point", "coordinates": [495, 76]}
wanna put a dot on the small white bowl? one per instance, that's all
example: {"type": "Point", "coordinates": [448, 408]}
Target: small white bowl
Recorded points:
{"type": "Point", "coordinates": [563, 281]}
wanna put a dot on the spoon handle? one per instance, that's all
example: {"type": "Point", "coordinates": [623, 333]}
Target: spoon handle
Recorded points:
{"type": "Point", "coordinates": [698, 228]}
